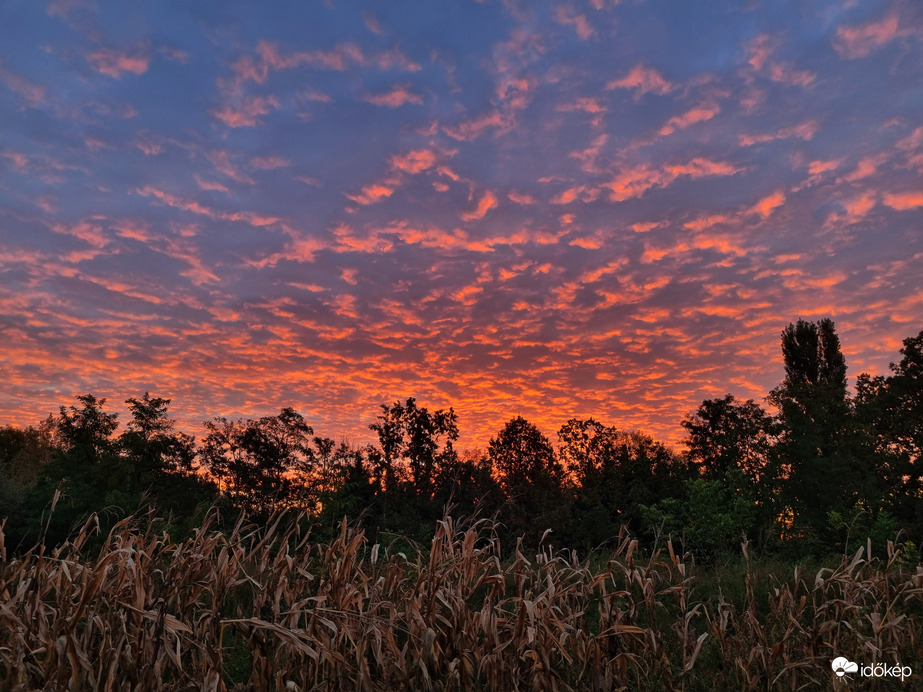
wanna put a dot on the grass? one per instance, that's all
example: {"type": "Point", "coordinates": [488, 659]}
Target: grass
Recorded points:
{"type": "Point", "coordinates": [269, 608]}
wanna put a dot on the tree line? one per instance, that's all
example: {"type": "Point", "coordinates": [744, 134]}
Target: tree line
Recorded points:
{"type": "Point", "coordinates": [824, 468]}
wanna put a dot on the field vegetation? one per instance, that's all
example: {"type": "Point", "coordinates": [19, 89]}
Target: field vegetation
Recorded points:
{"type": "Point", "coordinates": [269, 608]}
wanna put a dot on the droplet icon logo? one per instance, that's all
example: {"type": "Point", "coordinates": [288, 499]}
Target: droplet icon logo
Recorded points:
{"type": "Point", "coordinates": [842, 665]}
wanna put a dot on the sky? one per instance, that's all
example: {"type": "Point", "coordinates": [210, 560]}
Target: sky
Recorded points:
{"type": "Point", "coordinates": [547, 209]}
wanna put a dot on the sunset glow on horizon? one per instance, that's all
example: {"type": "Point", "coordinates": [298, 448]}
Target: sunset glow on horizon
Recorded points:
{"type": "Point", "coordinates": [553, 209]}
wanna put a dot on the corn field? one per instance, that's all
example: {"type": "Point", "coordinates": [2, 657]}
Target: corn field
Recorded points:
{"type": "Point", "coordinates": [268, 608]}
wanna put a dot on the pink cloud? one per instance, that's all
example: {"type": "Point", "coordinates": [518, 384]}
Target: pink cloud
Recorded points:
{"type": "Point", "coordinates": [643, 80]}
{"type": "Point", "coordinates": [268, 163]}
{"type": "Point", "coordinates": [786, 74]}
{"type": "Point", "coordinates": [587, 105]}
{"type": "Point", "coordinates": [567, 16]}
{"type": "Point", "coordinates": [805, 131]}
{"type": "Point", "coordinates": [32, 94]}
{"type": "Point", "coordinates": [19, 161]}
{"type": "Point", "coordinates": [269, 58]}
{"type": "Point", "coordinates": [695, 115]}
{"type": "Point", "coordinates": [222, 162]}
{"type": "Point", "coordinates": [759, 50]}
{"type": "Point", "coordinates": [114, 64]}
{"type": "Point", "coordinates": [316, 96]}
{"type": "Point", "coordinates": [472, 129]}
{"type": "Point", "coordinates": [371, 22]}
{"type": "Point", "coordinates": [858, 41]}
{"type": "Point", "coordinates": [487, 202]}
{"type": "Point", "coordinates": [414, 161]}
{"type": "Point", "coordinates": [248, 112]}
{"type": "Point", "coordinates": [210, 185]}
{"type": "Point", "coordinates": [398, 96]}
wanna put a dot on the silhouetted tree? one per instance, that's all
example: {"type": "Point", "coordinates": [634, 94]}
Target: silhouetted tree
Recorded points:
{"type": "Point", "coordinates": [890, 409]}
{"type": "Point", "coordinates": [531, 478]}
{"type": "Point", "coordinates": [411, 435]}
{"type": "Point", "coordinates": [253, 460]}
{"type": "Point", "coordinates": [817, 456]}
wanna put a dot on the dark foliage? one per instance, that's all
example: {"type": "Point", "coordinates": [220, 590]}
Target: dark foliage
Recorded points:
{"type": "Point", "coordinates": [826, 471]}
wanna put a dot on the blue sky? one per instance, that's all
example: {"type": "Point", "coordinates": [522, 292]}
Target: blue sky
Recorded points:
{"type": "Point", "coordinates": [542, 209]}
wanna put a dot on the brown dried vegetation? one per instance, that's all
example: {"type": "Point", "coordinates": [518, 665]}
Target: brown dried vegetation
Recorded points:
{"type": "Point", "coordinates": [151, 614]}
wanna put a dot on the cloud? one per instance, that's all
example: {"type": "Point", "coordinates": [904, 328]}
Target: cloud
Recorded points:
{"type": "Point", "coordinates": [858, 41]}
{"type": "Point", "coordinates": [697, 114]}
{"type": "Point", "coordinates": [805, 131]}
{"type": "Point", "coordinates": [222, 162]}
{"type": "Point", "coordinates": [372, 193]}
{"type": "Point", "coordinates": [414, 161]}
{"type": "Point", "coordinates": [520, 198]}
{"type": "Point", "coordinates": [32, 94]}
{"type": "Point", "coordinates": [866, 167]}
{"type": "Point", "coordinates": [269, 58]}
{"type": "Point", "coordinates": [568, 16]}
{"type": "Point", "coordinates": [268, 163]}
{"type": "Point", "coordinates": [759, 49]}
{"type": "Point", "coordinates": [114, 64]}
{"type": "Point", "coordinates": [635, 182]}
{"type": "Point", "coordinates": [472, 129]}
{"type": "Point", "coordinates": [247, 112]}
{"type": "Point", "coordinates": [768, 204]}
{"type": "Point", "coordinates": [786, 74]}
{"type": "Point", "coordinates": [396, 97]}
{"type": "Point", "coordinates": [902, 201]}
{"type": "Point", "coordinates": [487, 202]}
{"type": "Point", "coordinates": [643, 80]}
{"type": "Point", "coordinates": [210, 185]}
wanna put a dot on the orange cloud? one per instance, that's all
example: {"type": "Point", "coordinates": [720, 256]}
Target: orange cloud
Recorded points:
{"type": "Point", "coordinates": [414, 161]}
{"type": "Point", "coordinates": [703, 222]}
{"type": "Point", "coordinates": [904, 200]}
{"type": "Point", "coordinates": [397, 97]}
{"type": "Point", "coordinates": [866, 167]}
{"type": "Point", "coordinates": [115, 64]}
{"type": "Point", "coordinates": [859, 206]}
{"type": "Point", "coordinates": [521, 198]}
{"type": "Point", "coordinates": [567, 196]}
{"type": "Point", "coordinates": [643, 80]}
{"type": "Point", "coordinates": [372, 193]}
{"type": "Point", "coordinates": [858, 41]}
{"type": "Point", "coordinates": [635, 182]}
{"type": "Point", "coordinates": [487, 202]}
{"type": "Point", "coordinates": [819, 167]}
{"type": "Point", "coordinates": [768, 204]}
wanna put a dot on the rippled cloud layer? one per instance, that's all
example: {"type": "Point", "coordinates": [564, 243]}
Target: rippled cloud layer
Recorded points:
{"type": "Point", "coordinates": [546, 209]}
